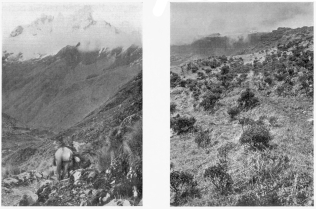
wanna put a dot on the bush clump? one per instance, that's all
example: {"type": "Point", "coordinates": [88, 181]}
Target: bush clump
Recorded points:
{"type": "Point", "coordinates": [183, 186]}
{"type": "Point", "coordinates": [233, 112]}
{"type": "Point", "coordinates": [172, 108]}
{"type": "Point", "coordinates": [225, 70]}
{"type": "Point", "coordinates": [182, 124]}
{"type": "Point", "coordinates": [247, 99]}
{"type": "Point", "coordinates": [174, 79]}
{"type": "Point", "coordinates": [203, 138]}
{"type": "Point", "coordinates": [219, 178]}
{"type": "Point", "coordinates": [209, 101]}
{"type": "Point", "coordinates": [256, 136]}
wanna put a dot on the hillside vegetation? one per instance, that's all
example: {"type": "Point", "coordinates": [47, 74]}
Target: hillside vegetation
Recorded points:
{"type": "Point", "coordinates": [242, 125]}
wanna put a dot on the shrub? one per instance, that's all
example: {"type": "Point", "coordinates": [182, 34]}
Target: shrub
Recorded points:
{"type": "Point", "coordinates": [225, 70]}
{"type": "Point", "coordinates": [174, 79]}
{"type": "Point", "coordinates": [207, 71]}
{"type": "Point", "coordinates": [223, 58]}
{"type": "Point", "coordinates": [182, 83]}
{"type": "Point", "coordinates": [256, 136]}
{"type": "Point", "coordinates": [233, 112]}
{"type": "Point", "coordinates": [194, 69]}
{"type": "Point", "coordinates": [196, 94]}
{"type": "Point", "coordinates": [273, 121]}
{"type": "Point", "coordinates": [209, 101]}
{"type": "Point", "coordinates": [172, 108]}
{"type": "Point", "coordinates": [216, 89]}
{"type": "Point", "coordinates": [214, 64]}
{"type": "Point", "coordinates": [191, 84]}
{"type": "Point", "coordinates": [247, 99]}
{"type": "Point", "coordinates": [219, 178]}
{"type": "Point", "coordinates": [201, 76]}
{"type": "Point", "coordinates": [182, 184]}
{"type": "Point", "coordinates": [182, 124]}
{"type": "Point", "coordinates": [268, 80]}
{"type": "Point", "coordinates": [203, 138]}
{"type": "Point", "coordinates": [280, 90]}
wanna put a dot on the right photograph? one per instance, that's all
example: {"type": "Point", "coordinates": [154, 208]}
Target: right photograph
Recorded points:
{"type": "Point", "coordinates": [241, 111]}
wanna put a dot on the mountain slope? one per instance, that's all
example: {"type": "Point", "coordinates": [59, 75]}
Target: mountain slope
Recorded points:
{"type": "Point", "coordinates": [124, 109]}
{"type": "Point", "coordinates": [253, 42]}
{"type": "Point", "coordinates": [125, 104]}
{"type": "Point", "coordinates": [57, 91]}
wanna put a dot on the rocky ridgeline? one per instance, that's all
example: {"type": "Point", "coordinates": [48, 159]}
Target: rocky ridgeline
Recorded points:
{"type": "Point", "coordinates": [85, 187]}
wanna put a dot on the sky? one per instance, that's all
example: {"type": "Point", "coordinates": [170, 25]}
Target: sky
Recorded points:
{"type": "Point", "coordinates": [190, 21]}
{"type": "Point", "coordinates": [116, 13]}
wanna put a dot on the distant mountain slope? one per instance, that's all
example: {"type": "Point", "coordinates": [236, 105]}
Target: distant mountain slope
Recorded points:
{"type": "Point", "coordinates": [57, 91]}
{"type": "Point", "coordinates": [219, 45]}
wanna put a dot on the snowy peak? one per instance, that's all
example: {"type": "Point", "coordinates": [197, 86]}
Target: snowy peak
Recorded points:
{"type": "Point", "coordinates": [48, 34]}
{"type": "Point", "coordinates": [80, 20]}
{"type": "Point", "coordinates": [83, 19]}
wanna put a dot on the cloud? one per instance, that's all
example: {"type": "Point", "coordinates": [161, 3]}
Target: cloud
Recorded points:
{"type": "Point", "coordinates": [190, 21]}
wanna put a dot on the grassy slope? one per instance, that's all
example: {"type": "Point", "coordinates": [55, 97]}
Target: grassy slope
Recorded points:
{"type": "Point", "coordinates": [292, 136]}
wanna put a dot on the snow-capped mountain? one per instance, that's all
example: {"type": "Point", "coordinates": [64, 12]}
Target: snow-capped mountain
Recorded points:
{"type": "Point", "coordinates": [48, 34]}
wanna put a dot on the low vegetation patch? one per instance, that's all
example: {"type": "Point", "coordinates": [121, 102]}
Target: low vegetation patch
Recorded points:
{"type": "Point", "coordinates": [219, 177]}
{"type": "Point", "coordinates": [233, 112]}
{"type": "Point", "coordinates": [209, 101]}
{"type": "Point", "coordinates": [172, 108]}
{"type": "Point", "coordinates": [203, 138]}
{"type": "Point", "coordinates": [256, 137]}
{"type": "Point", "coordinates": [183, 187]}
{"type": "Point", "coordinates": [247, 99]}
{"type": "Point", "coordinates": [182, 124]}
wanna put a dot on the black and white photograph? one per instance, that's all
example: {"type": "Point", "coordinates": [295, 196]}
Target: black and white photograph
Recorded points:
{"type": "Point", "coordinates": [72, 104]}
{"type": "Point", "coordinates": [241, 104]}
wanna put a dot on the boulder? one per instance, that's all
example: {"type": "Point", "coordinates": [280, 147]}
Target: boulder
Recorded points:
{"type": "Point", "coordinates": [43, 192]}
{"type": "Point", "coordinates": [75, 176]}
{"type": "Point", "coordinates": [106, 199]}
{"type": "Point", "coordinates": [10, 181]}
{"type": "Point", "coordinates": [24, 176]}
{"type": "Point", "coordinates": [38, 175]}
{"type": "Point", "coordinates": [47, 182]}
{"type": "Point", "coordinates": [28, 198]}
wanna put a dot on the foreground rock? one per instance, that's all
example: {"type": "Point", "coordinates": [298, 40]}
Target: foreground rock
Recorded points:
{"type": "Point", "coordinates": [89, 187]}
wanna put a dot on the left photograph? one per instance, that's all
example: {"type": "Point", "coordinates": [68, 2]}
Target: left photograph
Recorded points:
{"type": "Point", "coordinates": [72, 104]}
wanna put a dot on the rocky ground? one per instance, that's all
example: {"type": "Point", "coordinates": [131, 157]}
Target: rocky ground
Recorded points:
{"type": "Point", "coordinates": [85, 187]}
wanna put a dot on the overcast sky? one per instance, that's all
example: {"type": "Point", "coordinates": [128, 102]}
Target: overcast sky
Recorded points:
{"type": "Point", "coordinates": [116, 13]}
{"type": "Point", "coordinates": [190, 21]}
